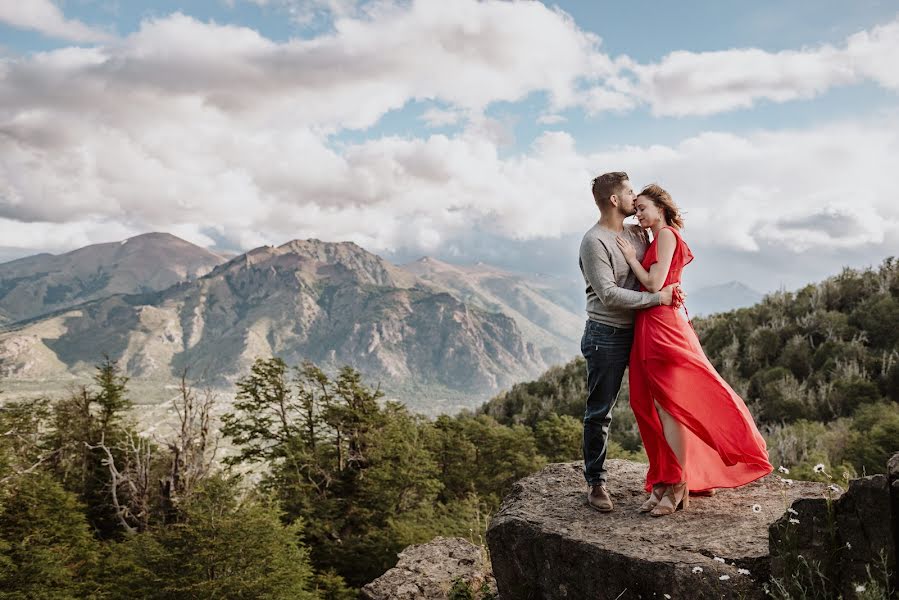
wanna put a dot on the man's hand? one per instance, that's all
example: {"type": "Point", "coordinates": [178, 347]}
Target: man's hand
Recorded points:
{"type": "Point", "coordinates": [667, 294]}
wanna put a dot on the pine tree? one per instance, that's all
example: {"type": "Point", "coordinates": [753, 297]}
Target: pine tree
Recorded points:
{"type": "Point", "coordinates": [46, 548]}
{"type": "Point", "coordinates": [224, 547]}
{"type": "Point", "coordinates": [83, 424]}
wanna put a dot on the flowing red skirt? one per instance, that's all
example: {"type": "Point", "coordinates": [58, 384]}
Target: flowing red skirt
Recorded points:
{"type": "Point", "coordinates": [724, 447]}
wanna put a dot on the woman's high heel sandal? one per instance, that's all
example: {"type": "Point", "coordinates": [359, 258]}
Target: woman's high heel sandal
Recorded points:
{"type": "Point", "coordinates": [654, 497]}
{"type": "Point", "coordinates": [676, 495]}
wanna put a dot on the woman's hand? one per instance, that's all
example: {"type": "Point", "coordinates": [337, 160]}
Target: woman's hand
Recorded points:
{"type": "Point", "coordinates": [630, 254]}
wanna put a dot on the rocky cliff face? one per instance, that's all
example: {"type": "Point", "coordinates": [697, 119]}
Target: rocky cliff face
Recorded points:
{"type": "Point", "coordinates": [44, 283]}
{"type": "Point", "coordinates": [750, 542]}
{"type": "Point", "coordinates": [849, 538]}
{"type": "Point", "coordinates": [545, 542]}
{"type": "Point", "coordinates": [333, 304]}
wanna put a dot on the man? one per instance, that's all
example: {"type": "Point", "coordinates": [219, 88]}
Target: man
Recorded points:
{"type": "Point", "coordinates": [612, 299]}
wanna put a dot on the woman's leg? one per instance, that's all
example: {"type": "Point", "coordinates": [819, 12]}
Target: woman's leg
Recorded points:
{"type": "Point", "coordinates": [675, 435]}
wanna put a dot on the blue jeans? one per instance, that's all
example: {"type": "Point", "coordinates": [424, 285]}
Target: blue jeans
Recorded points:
{"type": "Point", "coordinates": [607, 350]}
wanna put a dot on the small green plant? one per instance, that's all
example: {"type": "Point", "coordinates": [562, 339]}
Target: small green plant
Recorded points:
{"type": "Point", "coordinates": [877, 586]}
{"type": "Point", "coordinates": [805, 581]}
{"type": "Point", "coordinates": [460, 590]}
{"type": "Point", "coordinates": [486, 593]}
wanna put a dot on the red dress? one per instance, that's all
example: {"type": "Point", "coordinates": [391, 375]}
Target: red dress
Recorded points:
{"type": "Point", "coordinates": [723, 446]}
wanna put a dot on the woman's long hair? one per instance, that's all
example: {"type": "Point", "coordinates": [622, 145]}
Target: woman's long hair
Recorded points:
{"type": "Point", "coordinates": [662, 199]}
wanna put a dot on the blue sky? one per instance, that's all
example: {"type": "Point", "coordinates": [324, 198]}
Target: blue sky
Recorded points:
{"type": "Point", "coordinates": [465, 130]}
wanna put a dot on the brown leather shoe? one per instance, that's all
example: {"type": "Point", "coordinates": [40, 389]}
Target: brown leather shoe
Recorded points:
{"type": "Point", "coordinates": [599, 498]}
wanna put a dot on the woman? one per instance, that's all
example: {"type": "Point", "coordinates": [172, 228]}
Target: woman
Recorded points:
{"type": "Point", "coordinates": [696, 430]}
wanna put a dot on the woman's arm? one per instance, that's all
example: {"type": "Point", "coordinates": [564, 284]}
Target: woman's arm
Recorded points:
{"type": "Point", "coordinates": [653, 279]}
{"type": "Point", "coordinates": [596, 265]}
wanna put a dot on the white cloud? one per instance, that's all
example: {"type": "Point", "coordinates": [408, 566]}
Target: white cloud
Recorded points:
{"type": "Point", "coordinates": [45, 17]}
{"type": "Point", "coordinates": [599, 99]}
{"type": "Point", "coordinates": [191, 127]}
{"type": "Point", "coordinates": [875, 54]}
{"type": "Point", "coordinates": [63, 237]}
{"type": "Point", "coordinates": [704, 83]}
{"type": "Point", "coordinates": [819, 188]}
{"type": "Point", "coordinates": [550, 119]}
{"type": "Point", "coordinates": [686, 83]}
{"type": "Point", "coordinates": [467, 54]}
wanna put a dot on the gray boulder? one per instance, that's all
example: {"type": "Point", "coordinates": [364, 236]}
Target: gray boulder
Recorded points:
{"type": "Point", "coordinates": [834, 542]}
{"type": "Point", "coordinates": [427, 571]}
{"type": "Point", "coordinates": [546, 542]}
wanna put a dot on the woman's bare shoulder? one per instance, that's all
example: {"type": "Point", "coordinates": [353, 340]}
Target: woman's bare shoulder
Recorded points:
{"type": "Point", "coordinates": [666, 233]}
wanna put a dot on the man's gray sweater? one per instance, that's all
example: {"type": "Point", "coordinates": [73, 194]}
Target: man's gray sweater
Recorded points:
{"type": "Point", "coordinates": [612, 295]}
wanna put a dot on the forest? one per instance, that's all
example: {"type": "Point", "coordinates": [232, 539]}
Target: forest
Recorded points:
{"type": "Point", "coordinates": [310, 483]}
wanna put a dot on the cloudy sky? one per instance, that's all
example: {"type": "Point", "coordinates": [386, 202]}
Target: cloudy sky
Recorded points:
{"type": "Point", "coordinates": [454, 128]}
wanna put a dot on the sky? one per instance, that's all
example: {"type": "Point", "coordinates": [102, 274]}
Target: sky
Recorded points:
{"type": "Point", "coordinates": [464, 130]}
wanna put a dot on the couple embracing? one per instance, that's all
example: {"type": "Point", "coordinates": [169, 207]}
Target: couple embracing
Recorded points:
{"type": "Point", "coordinates": [697, 432]}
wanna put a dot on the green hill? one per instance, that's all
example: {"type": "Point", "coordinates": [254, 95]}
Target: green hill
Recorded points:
{"type": "Point", "coordinates": [818, 368]}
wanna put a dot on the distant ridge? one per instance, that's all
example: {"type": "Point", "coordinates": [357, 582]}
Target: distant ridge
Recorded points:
{"type": "Point", "coordinates": [43, 283]}
{"type": "Point", "coordinates": [722, 298]}
{"type": "Point", "coordinates": [541, 309]}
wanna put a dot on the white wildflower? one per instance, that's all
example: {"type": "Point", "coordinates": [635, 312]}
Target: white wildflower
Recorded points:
{"type": "Point", "coordinates": [819, 468]}
{"type": "Point", "coordinates": [794, 521]}
{"type": "Point", "coordinates": [719, 559]}
{"type": "Point", "coordinates": [859, 588]}
{"type": "Point", "coordinates": [788, 481]}
{"type": "Point", "coordinates": [743, 571]}
{"type": "Point", "coordinates": [835, 488]}
{"type": "Point", "coordinates": [756, 508]}
{"type": "Point", "coordinates": [697, 569]}
{"type": "Point", "coordinates": [783, 470]}
{"type": "Point", "coordinates": [724, 577]}
{"type": "Point", "coordinates": [667, 596]}
{"type": "Point", "coordinates": [848, 546]}
{"type": "Point", "coordinates": [792, 511]}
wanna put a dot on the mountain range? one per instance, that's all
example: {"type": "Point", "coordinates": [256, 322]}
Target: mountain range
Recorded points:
{"type": "Point", "coordinates": [434, 335]}
{"type": "Point", "coordinates": [429, 332]}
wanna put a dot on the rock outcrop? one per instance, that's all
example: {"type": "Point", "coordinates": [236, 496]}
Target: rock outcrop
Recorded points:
{"type": "Point", "coordinates": [848, 539]}
{"type": "Point", "coordinates": [428, 572]}
{"type": "Point", "coordinates": [893, 474]}
{"type": "Point", "coordinates": [546, 542]}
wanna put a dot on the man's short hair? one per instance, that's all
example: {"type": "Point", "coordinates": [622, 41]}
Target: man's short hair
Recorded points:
{"type": "Point", "coordinates": [607, 184]}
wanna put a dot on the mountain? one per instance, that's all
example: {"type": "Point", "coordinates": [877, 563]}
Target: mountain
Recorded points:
{"type": "Point", "coordinates": [43, 283]}
{"type": "Point", "coordinates": [721, 298]}
{"type": "Point", "coordinates": [332, 303]}
{"type": "Point", "coordinates": [542, 307]}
